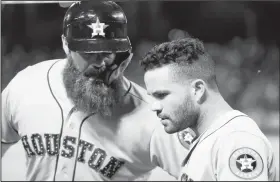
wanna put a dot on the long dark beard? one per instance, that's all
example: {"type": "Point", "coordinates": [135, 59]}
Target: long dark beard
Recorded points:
{"type": "Point", "coordinates": [88, 95]}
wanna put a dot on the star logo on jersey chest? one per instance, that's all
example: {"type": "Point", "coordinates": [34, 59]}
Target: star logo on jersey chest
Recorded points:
{"type": "Point", "coordinates": [187, 137]}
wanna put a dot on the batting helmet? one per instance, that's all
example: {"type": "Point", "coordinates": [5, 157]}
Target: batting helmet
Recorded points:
{"type": "Point", "coordinates": [96, 26]}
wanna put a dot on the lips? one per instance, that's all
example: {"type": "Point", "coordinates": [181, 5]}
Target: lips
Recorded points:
{"type": "Point", "coordinates": [93, 71]}
{"type": "Point", "coordinates": [162, 117]}
{"type": "Point", "coordinates": [164, 122]}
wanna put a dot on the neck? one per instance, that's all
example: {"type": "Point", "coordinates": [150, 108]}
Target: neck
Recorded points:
{"type": "Point", "coordinates": [210, 111]}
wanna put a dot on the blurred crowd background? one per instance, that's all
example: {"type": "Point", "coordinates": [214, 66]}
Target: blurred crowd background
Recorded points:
{"type": "Point", "coordinates": [242, 37]}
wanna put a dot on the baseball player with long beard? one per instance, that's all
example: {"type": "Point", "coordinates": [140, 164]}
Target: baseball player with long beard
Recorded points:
{"type": "Point", "coordinates": [79, 118]}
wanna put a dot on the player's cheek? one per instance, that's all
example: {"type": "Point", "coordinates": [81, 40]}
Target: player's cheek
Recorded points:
{"type": "Point", "coordinates": [168, 111]}
{"type": "Point", "coordinates": [82, 65]}
{"type": "Point", "coordinates": [80, 61]}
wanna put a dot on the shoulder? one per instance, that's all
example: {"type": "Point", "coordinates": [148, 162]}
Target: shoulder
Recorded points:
{"type": "Point", "coordinates": [243, 126]}
{"type": "Point", "coordinates": [38, 69]}
{"type": "Point", "coordinates": [242, 134]}
{"type": "Point", "coordinates": [243, 152]}
{"type": "Point", "coordinates": [237, 123]}
{"type": "Point", "coordinates": [141, 101]}
{"type": "Point", "coordinates": [242, 155]}
{"type": "Point", "coordinates": [33, 72]}
{"type": "Point", "coordinates": [146, 119]}
{"type": "Point", "coordinates": [139, 93]}
{"type": "Point", "coordinates": [27, 77]}
{"type": "Point", "coordinates": [28, 80]}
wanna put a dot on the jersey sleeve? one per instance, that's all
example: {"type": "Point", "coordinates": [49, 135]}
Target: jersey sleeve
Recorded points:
{"type": "Point", "coordinates": [8, 126]}
{"type": "Point", "coordinates": [242, 156]}
{"type": "Point", "coordinates": [167, 152]}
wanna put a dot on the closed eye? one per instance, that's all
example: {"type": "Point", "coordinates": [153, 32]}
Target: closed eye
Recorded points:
{"type": "Point", "coordinates": [160, 95]}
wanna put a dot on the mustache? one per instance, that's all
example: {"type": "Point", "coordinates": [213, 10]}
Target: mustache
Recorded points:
{"type": "Point", "coordinates": [93, 71]}
{"type": "Point", "coordinates": [162, 116]}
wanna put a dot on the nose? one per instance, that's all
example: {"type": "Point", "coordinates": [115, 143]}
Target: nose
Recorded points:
{"type": "Point", "coordinates": [97, 60]}
{"type": "Point", "coordinates": [157, 107]}
{"type": "Point", "coordinates": [98, 65]}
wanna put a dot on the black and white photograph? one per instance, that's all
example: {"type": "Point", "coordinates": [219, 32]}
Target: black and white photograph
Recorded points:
{"type": "Point", "coordinates": [127, 90]}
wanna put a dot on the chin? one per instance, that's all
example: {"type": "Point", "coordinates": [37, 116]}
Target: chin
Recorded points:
{"type": "Point", "coordinates": [170, 130]}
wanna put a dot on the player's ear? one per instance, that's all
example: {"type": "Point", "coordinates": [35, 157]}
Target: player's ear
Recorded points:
{"type": "Point", "coordinates": [119, 70]}
{"type": "Point", "coordinates": [199, 90]}
{"type": "Point", "coordinates": [65, 45]}
{"type": "Point", "coordinates": [125, 63]}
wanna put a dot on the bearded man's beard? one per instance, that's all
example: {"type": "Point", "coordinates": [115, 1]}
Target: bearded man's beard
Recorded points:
{"type": "Point", "coordinates": [88, 95]}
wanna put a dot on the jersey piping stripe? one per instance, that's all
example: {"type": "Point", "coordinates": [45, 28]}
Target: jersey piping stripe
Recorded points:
{"type": "Point", "coordinates": [138, 98]}
{"type": "Point", "coordinates": [201, 139]}
{"type": "Point", "coordinates": [78, 146]}
{"type": "Point", "coordinates": [9, 142]}
{"type": "Point", "coordinates": [80, 130]}
{"type": "Point", "coordinates": [62, 119]}
{"type": "Point", "coordinates": [222, 126]}
{"type": "Point", "coordinates": [13, 126]}
{"type": "Point", "coordinates": [128, 90]}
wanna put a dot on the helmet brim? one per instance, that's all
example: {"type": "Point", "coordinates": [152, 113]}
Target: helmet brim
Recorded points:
{"type": "Point", "coordinates": [99, 45]}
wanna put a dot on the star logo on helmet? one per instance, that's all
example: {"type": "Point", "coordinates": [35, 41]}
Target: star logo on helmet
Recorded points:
{"type": "Point", "coordinates": [98, 28]}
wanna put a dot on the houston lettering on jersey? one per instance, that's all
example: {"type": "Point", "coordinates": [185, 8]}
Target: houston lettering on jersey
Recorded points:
{"type": "Point", "coordinates": [52, 149]}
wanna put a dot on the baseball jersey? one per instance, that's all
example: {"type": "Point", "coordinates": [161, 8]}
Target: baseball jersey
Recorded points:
{"type": "Point", "coordinates": [64, 144]}
{"type": "Point", "coordinates": [232, 149]}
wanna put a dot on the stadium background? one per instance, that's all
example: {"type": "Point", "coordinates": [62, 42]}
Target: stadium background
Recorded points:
{"type": "Point", "coordinates": [242, 37]}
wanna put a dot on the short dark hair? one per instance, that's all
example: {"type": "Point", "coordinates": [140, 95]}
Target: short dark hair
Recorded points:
{"type": "Point", "coordinates": [188, 54]}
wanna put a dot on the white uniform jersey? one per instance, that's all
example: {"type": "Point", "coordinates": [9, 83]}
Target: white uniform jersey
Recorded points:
{"type": "Point", "coordinates": [62, 143]}
{"type": "Point", "coordinates": [232, 149]}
